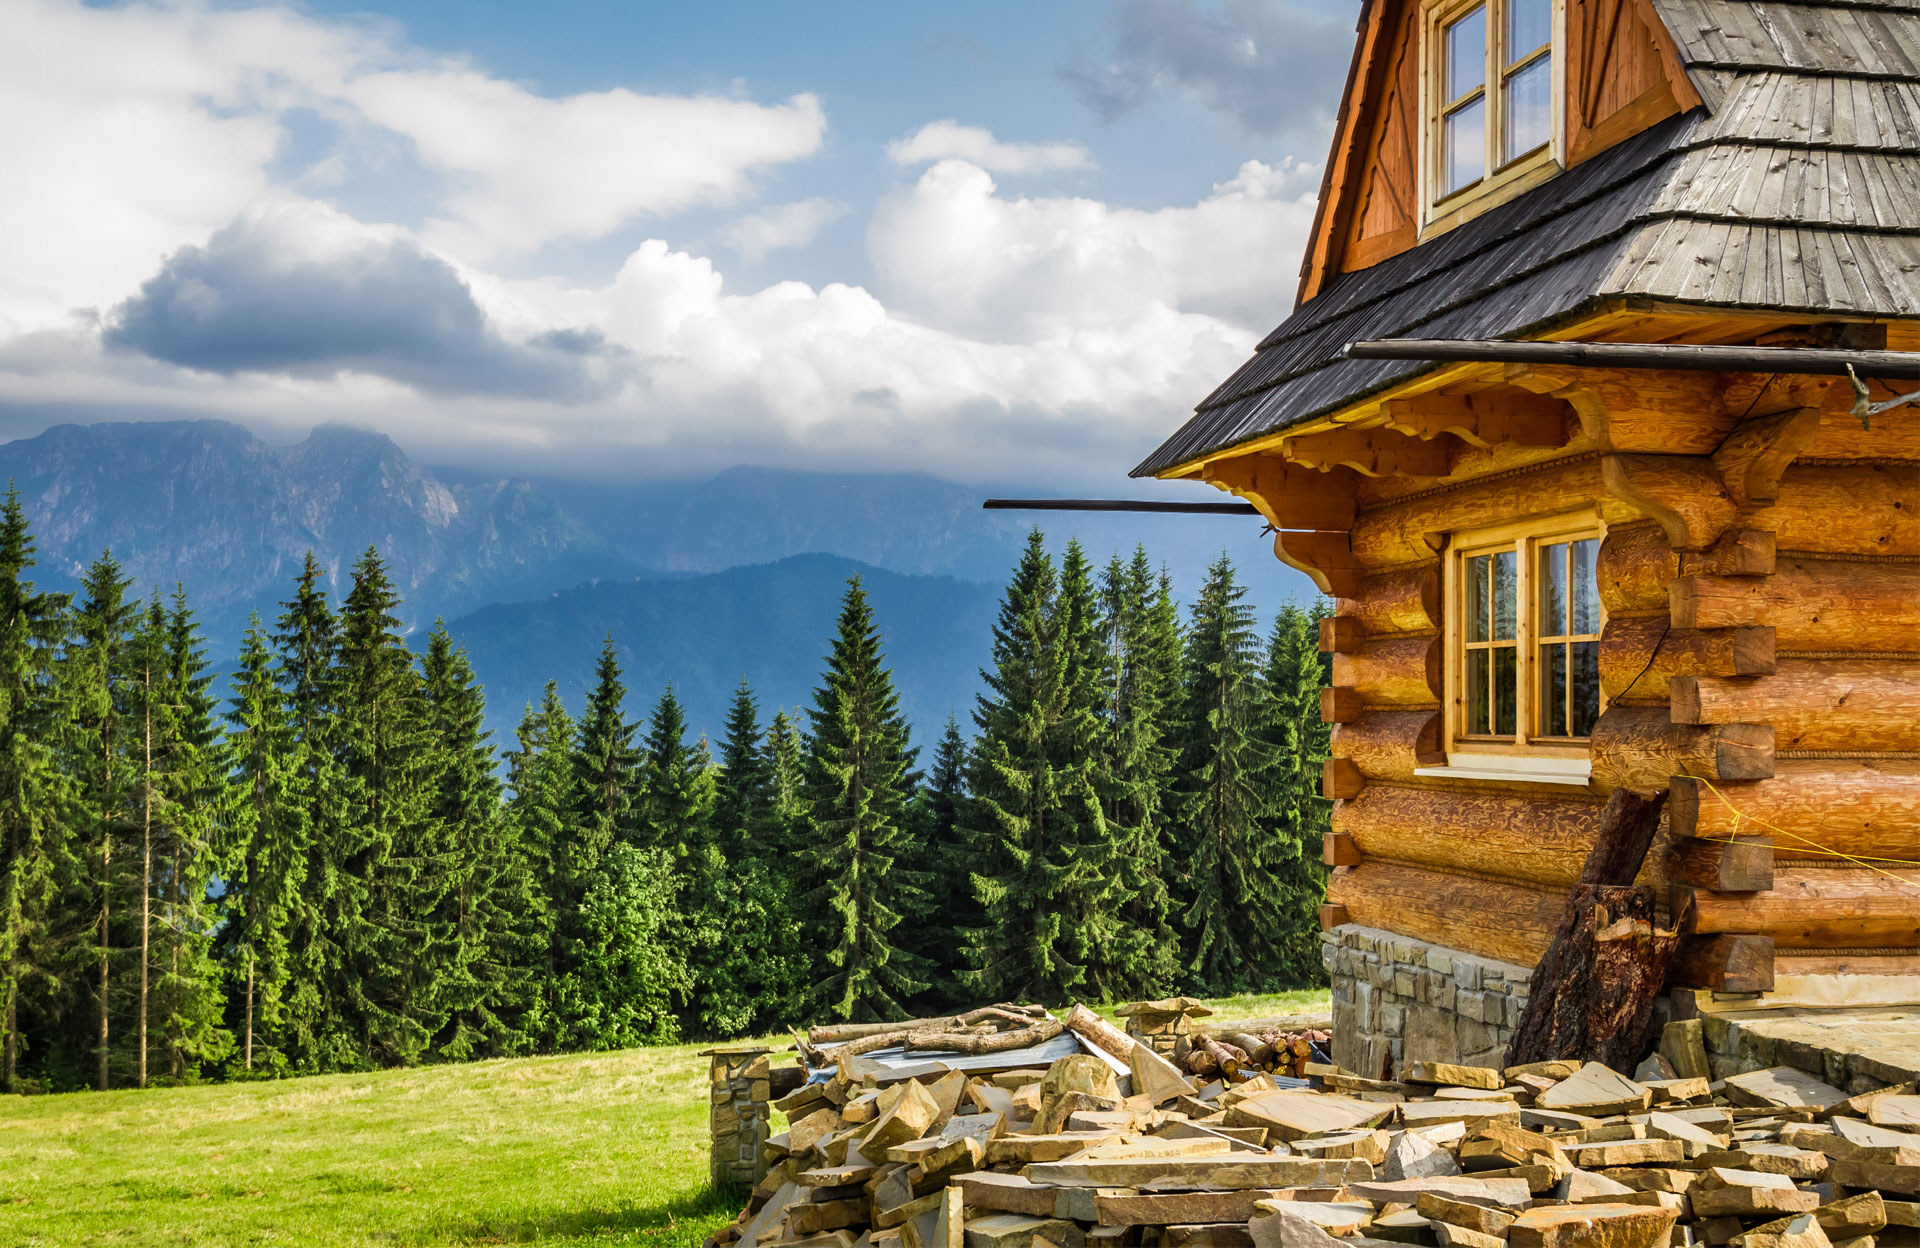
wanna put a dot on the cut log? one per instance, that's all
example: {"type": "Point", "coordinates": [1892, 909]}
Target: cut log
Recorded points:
{"type": "Point", "coordinates": [1533, 839]}
{"type": "Point", "coordinates": [1098, 1032]}
{"type": "Point", "coordinates": [1757, 452]}
{"type": "Point", "coordinates": [1854, 509]}
{"type": "Point", "coordinates": [1634, 568]}
{"type": "Point", "coordinates": [1337, 849]}
{"type": "Point", "coordinates": [1814, 909]}
{"type": "Point", "coordinates": [1683, 494]}
{"type": "Point", "coordinates": [1869, 807]}
{"type": "Point", "coordinates": [1340, 704]}
{"type": "Point", "coordinates": [1741, 963]}
{"type": "Point", "coordinates": [1640, 747]}
{"type": "Point", "coordinates": [1333, 915]}
{"type": "Point", "coordinates": [1393, 671]}
{"type": "Point", "coordinates": [1738, 552]}
{"type": "Point", "coordinates": [1813, 604]}
{"type": "Point", "coordinates": [984, 1042]}
{"type": "Point", "coordinates": [1340, 634]}
{"type": "Point", "coordinates": [1510, 922]}
{"type": "Point", "coordinates": [1406, 600]}
{"type": "Point", "coordinates": [1725, 865]}
{"type": "Point", "coordinates": [1388, 745]}
{"type": "Point", "coordinates": [1592, 995]}
{"type": "Point", "coordinates": [1340, 778]}
{"type": "Point", "coordinates": [1640, 654]}
{"type": "Point", "coordinates": [1814, 704]}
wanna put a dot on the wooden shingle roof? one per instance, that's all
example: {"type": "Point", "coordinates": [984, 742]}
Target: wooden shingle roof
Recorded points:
{"type": "Point", "coordinates": [1797, 189]}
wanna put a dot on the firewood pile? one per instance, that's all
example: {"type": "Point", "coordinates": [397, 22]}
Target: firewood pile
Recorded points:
{"type": "Point", "coordinates": [1232, 1054]}
{"type": "Point", "coordinates": [1108, 1143]}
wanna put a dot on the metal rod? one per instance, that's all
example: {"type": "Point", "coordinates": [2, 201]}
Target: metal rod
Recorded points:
{"type": "Point", "coordinates": [1118, 504]}
{"type": "Point", "coordinates": [1814, 361]}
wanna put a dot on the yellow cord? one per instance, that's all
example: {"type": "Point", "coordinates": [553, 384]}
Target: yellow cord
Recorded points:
{"type": "Point", "coordinates": [1740, 816]}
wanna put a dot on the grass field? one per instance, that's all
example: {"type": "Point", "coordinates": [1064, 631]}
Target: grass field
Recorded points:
{"type": "Point", "coordinates": [585, 1150]}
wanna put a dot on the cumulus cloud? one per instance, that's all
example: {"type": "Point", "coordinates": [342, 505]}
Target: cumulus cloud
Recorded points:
{"type": "Point", "coordinates": [780, 227]}
{"type": "Point", "coordinates": [940, 140]}
{"type": "Point", "coordinates": [1273, 67]}
{"type": "Point", "coordinates": [300, 289]}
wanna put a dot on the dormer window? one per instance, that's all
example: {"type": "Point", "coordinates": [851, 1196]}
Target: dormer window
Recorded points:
{"type": "Point", "coordinates": [1490, 100]}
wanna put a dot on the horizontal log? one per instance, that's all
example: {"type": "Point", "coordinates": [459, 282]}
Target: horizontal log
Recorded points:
{"type": "Point", "coordinates": [1813, 604]}
{"type": "Point", "coordinates": [1738, 552]}
{"type": "Point", "coordinates": [1727, 865]}
{"type": "Point", "coordinates": [1340, 705]}
{"type": "Point", "coordinates": [1639, 747]}
{"type": "Point", "coordinates": [1508, 922]}
{"type": "Point", "coordinates": [1634, 568]}
{"type": "Point", "coordinates": [1723, 963]}
{"type": "Point", "coordinates": [1890, 435]}
{"type": "Point", "coordinates": [1849, 964]}
{"type": "Point", "coordinates": [1814, 909]}
{"type": "Point", "coordinates": [1332, 916]}
{"type": "Point", "coordinates": [1338, 850]}
{"type": "Point", "coordinates": [1637, 409]}
{"type": "Point", "coordinates": [1852, 509]}
{"type": "Point", "coordinates": [1865, 807]}
{"type": "Point", "coordinates": [1340, 633]}
{"type": "Point", "coordinates": [1340, 779]}
{"type": "Point", "coordinates": [1393, 671]}
{"type": "Point", "coordinates": [1388, 745]}
{"type": "Point", "coordinates": [1639, 655]}
{"type": "Point", "coordinates": [1683, 493]}
{"type": "Point", "coordinates": [1538, 840]}
{"type": "Point", "coordinates": [1814, 704]}
{"type": "Point", "coordinates": [1413, 530]}
{"type": "Point", "coordinates": [1406, 600]}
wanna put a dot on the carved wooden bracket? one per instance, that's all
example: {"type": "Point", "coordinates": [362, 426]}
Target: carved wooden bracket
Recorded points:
{"type": "Point", "coordinates": [1378, 452]}
{"type": "Point", "coordinates": [1520, 417]}
{"type": "Point", "coordinates": [1647, 410]}
{"type": "Point", "coordinates": [1327, 558]}
{"type": "Point", "coordinates": [1758, 451]}
{"type": "Point", "coordinates": [1683, 493]}
{"type": "Point", "coordinates": [1290, 496]}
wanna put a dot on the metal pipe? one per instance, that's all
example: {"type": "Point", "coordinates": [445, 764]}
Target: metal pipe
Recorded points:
{"type": "Point", "coordinates": [1811, 361]}
{"type": "Point", "coordinates": [1118, 504]}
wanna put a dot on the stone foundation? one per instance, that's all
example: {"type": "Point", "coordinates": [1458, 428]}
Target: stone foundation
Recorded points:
{"type": "Point", "coordinates": [739, 1110]}
{"type": "Point", "coordinates": [1396, 998]}
{"type": "Point", "coordinates": [1855, 1050]}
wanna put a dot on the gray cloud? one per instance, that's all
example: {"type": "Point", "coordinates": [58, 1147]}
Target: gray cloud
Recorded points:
{"type": "Point", "coordinates": [292, 293]}
{"type": "Point", "coordinates": [1275, 68]}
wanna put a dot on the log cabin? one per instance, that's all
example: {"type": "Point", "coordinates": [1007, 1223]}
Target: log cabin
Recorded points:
{"type": "Point", "coordinates": [1555, 577]}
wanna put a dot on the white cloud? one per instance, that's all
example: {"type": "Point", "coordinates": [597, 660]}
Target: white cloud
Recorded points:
{"type": "Point", "coordinates": [780, 227]}
{"type": "Point", "coordinates": [942, 140]}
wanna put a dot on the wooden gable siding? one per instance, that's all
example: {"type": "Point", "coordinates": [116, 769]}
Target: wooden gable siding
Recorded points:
{"type": "Point", "coordinates": [1623, 76]}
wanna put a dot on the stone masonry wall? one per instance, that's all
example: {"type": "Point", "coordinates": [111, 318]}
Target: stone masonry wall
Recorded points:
{"type": "Point", "coordinates": [1400, 998]}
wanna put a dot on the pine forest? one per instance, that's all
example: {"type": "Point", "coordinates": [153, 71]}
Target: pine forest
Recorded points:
{"type": "Point", "coordinates": [320, 861]}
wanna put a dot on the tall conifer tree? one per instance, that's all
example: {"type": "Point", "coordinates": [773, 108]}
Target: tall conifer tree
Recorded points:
{"type": "Point", "coordinates": [541, 772]}
{"type": "Point", "coordinates": [1295, 673]}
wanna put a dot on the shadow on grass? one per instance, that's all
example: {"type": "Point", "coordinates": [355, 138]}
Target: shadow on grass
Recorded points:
{"type": "Point", "coordinates": [682, 1221]}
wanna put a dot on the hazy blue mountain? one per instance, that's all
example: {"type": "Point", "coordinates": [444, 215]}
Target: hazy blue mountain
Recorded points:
{"type": "Point", "coordinates": [772, 623]}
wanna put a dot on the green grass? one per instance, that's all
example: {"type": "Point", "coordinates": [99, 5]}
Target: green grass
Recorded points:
{"type": "Point", "coordinates": [1257, 1005]}
{"type": "Point", "coordinates": [591, 1149]}
{"type": "Point", "coordinates": [586, 1149]}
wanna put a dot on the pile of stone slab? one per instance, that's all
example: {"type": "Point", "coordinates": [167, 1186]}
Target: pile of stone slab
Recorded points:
{"type": "Point", "coordinates": [1113, 1145]}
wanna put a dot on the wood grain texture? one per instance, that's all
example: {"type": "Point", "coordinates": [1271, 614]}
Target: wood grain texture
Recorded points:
{"type": "Point", "coordinates": [1846, 509]}
{"type": "Point", "coordinates": [1326, 558]}
{"type": "Point", "coordinates": [1739, 963]}
{"type": "Point", "coordinates": [1288, 495]}
{"type": "Point", "coordinates": [1340, 778]}
{"type": "Point", "coordinates": [1406, 600]}
{"type": "Point", "coordinates": [1741, 865]}
{"type": "Point", "coordinates": [1862, 806]}
{"type": "Point", "coordinates": [1814, 909]}
{"type": "Point", "coordinates": [1756, 454]}
{"type": "Point", "coordinates": [1388, 745]}
{"type": "Point", "coordinates": [1340, 633]}
{"type": "Point", "coordinates": [1539, 840]}
{"type": "Point", "coordinates": [1814, 704]}
{"type": "Point", "coordinates": [1812, 604]}
{"type": "Point", "coordinates": [1509, 922]}
{"type": "Point", "coordinates": [1393, 671]}
{"type": "Point", "coordinates": [1639, 747]}
{"type": "Point", "coordinates": [1340, 705]}
{"type": "Point", "coordinates": [1639, 655]}
{"type": "Point", "coordinates": [1412, 530]}
{"type": "Point", "coordinates": [1634, 569]}
{"type": "Point", "coordinates": [1683, 494]}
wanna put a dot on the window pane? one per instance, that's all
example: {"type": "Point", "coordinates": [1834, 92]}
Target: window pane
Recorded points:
{"type": "Point", "coordinates": [1529, 25]}
{"type": "Point", "coordinates": [1586, 586]}
{"type": "Point", "coordinates": [1529, 103]}
{"type": "Point", "coordinates": [1466, 55]}
{"type": "Point", "coordinates": [1505, 693]}
{"type": "Point", "coordinates": [1477, 692]}
{"type": "Point", "coordinates": [1505, 586]}
{"type": "Point", "coordinates": [1553, 590]}
{"type": "Point", "coordinates": [1586, 687]}
{"type": "Point", "coordinates": [1553, 691]}
{"type": "Point", "coordinates": [1463, 146]}
{"type": "Point", "coordinates": [1477, 597]}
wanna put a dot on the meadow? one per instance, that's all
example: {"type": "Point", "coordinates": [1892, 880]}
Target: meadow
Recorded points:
{"type": "Point", "coordinates": [582, 1149]}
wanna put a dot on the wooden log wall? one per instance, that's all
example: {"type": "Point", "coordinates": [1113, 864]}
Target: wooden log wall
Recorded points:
{"type": "Point", "coordinates": [1761, 658]}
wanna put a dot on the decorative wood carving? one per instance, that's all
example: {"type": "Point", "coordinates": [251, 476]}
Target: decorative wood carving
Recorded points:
{"type": "Point", "coordinates": [1758, 451]}
{"type": "Point", "coordinates": [1378, 452]}
{"type": "Point", "coordinates": [1326, 558]}
{"type": "Point", "coordinates": [1288, 495]}
{"type": "Point", "coordinates": [1487, 419]}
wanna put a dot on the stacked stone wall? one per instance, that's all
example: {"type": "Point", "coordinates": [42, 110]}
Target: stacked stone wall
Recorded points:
{"type": "Point", "coordinates": [740, 1107]}
{"type": "Point", "coordinates": [1395, 998]}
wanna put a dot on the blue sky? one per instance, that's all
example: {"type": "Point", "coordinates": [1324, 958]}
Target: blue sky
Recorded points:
{"type": "Point", "coordinates": [990, 241]}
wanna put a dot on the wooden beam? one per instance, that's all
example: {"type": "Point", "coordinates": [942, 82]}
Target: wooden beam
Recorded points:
{"type": "Point", "coordinates": [1338, 850]}
{"type": "Point", "coordinates": [1640, 747]}
{"type": "Point", "coordinates": [1377, 452]}
{"type": "Point", "coordinates": [1539, 840]}
{"type": "Point", "coordinates": [1332, 916]}
{"type": "Point", "coordinates": [1815, 604]}
{"type": "Point", "coordinates": [1758, 451]}
{"type": "Point", "coordinates": [1388, 745]}
{"type": "Point", "coordinates": [1729, 963]}
{"type": "Point", "coordinates": [1414, 530]}
{"type": "Point", "coordinates": [1868, 807]}
{"type": "Point", "coordinates": [1636, 410]}
{"type": "Point", "coordinates": [1728, 866]}
{"type": "Point", "coordinates": [1737, 552]}
{"type": "Point", "coordinates": [1509, 922]}
{"type": "Point", "coordinates": [1326, 558]}
{"type": "Point", "coordinates": [1814, 704]}
{"type": "Point", "coordinates": [1288, 495]}
{"type": "Point", "coordinates": [1486, 419]}
{"type": "Point", "coordinates": [1634, 569]}
{"type": "Point", "coordinates": [1813, 909]}
{"type": "Point", "coordinates": [1639, 655]}
{"type": "Point", "coordinates": [1341, 778]}
{"type": "Point", "coordinates": [1392, 671]}
{"type": "Point", "coordinates": [1340, 634]}
{"type": "Point", "coordinates": [1340, 705]}
{"type": "Point", "coordinates": [1683, 493]}
{"type": "Point", "coordinates": [1403, 601]}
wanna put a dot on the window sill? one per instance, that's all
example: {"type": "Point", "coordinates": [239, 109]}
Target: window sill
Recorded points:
{"type": "Point", "coordinates": [1513, 769]}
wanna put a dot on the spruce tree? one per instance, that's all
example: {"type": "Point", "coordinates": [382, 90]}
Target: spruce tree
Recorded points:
{"type": "Point", "coordinates": [672, 815]}
{"type": "Point", "coordinates": [36, 828]}
{"type": "Point", "coordinates": [858, 780]}
{"type": "Point", "coordinates": [1299, 815]}
{"type": "Point", "coordinates": [1235, 902]}
{"type": "Point", "coordinates": [266, 854]}
{"type": "Point", "coordinates": [608, 768]}
{"type": "Point", "coordinates": [785, 753]}
{"type": "Point", "coordinates": [541, 772]}
{"type": "Point", "coordinates": [945, 856]}
{"type": "Point", "coordinates": [743, 794]}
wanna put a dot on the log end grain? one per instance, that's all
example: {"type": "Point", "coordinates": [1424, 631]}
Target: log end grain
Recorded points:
{"type": "Point", "coordinates": [1724, 963]}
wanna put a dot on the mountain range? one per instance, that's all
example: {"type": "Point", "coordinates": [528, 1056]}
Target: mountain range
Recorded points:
{"type": "Point", "coordinates": [699, 581]}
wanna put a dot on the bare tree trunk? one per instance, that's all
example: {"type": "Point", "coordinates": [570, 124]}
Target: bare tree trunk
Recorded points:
{"type": "Point", "coordinates": [13, 1018]}
{"type": "Point", "coordinates": [146, 871]}
{"type": "Point", "coordinates": [249, 1040]}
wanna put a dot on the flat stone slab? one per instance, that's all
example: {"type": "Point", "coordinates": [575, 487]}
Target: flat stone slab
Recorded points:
{"type": "Point", "coordinates": [1782, 1087]}
{"type": "Point", "coordinates": [1234, 1171]}
{"type": "Point", "coordinates": [1592, 1226]}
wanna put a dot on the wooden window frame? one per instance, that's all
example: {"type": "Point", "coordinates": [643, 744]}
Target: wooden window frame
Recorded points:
{"type": "Point", "coordinates": [1526, 754]}
{"type": "Point", "coordinates": [1441, 211]}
